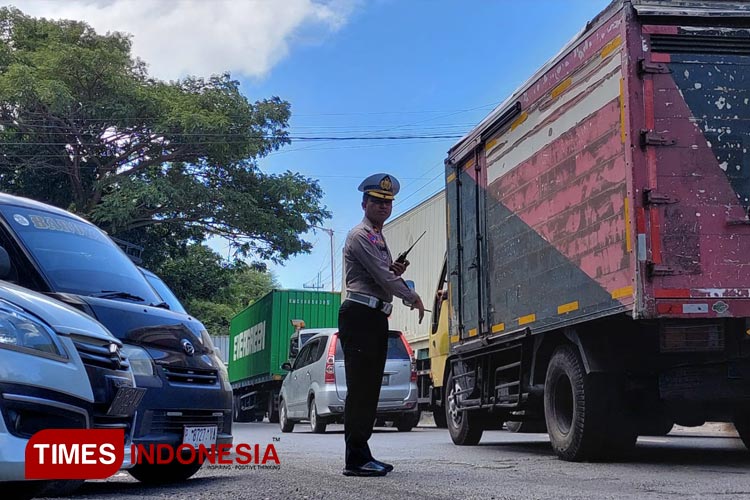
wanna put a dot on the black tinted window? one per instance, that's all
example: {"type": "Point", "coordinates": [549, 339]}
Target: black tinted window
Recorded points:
{"type": "Point", "coordinates": [165, 292]}
{"type": "Point", "coordinates": [339, 351]}
{"type": "Point", "coordinates": [396, 348]}
{"type": "Point", "coordinates": [299, 361]}
{"type": "Point", "coordinates": [77, 257]}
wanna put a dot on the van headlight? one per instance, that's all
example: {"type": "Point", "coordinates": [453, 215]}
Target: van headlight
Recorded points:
{"type": "Point", "coordinates": [20, 331]}
{"type": "Point", "coordinates": [140, 360]}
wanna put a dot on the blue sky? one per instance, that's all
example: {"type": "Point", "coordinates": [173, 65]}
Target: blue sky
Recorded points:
{"type": "Point", "coordinates": [403, 68]}
{"type": "Point", "coordinates": [349, 68]}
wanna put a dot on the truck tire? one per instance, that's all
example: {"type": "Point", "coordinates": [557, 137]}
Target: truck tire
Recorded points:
{"type": "Point", "coordinates": [584, 413]}
{"type": "Point", "coordinates": [656, 427]}
{"type": "Point", "coordinates": [173, 472]}
{"type": "Point", "coordinates": [465, 427]}
{"type": "Point", "coordinates": [439, 416]}
{"type": "Point", "coordinates": [742, 424]}
{"type": "Point", "coordinates": [240, 415]}
{"type": "Point", "coordinates": [528, 427]}
{"type": "Point", "coordinates": [317, 424]}
{"type": "Point", "coordinates": [284, 422]}
{"type": "Point", "coordinates": [273, 410]}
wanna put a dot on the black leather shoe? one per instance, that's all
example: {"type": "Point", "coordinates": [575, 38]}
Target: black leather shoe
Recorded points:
{"type": "Point", "coordinates": [387, 467]}
{"type": "Point", "coordinates": [369, 469]}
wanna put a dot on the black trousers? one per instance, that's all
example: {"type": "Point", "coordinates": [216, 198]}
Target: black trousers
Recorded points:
{"type": "Point", "coordinates": [364, 338]}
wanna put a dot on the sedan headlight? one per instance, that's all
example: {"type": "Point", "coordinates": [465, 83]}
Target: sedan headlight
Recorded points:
{"type": "Point", "coordinates": [24, 332]}
{"type": "Point", "coordinates": [140, 360]}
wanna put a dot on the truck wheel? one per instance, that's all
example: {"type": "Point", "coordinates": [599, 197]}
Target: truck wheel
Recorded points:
{"type": "Point", "coordinates": [317, 424]}
{"type": "Point", "coordinates": [284, 422]}
{"type": "Point", "coordinates": [273, 410]}
{"type": "Point", "coordinates": [465, 427]}
{"type": "Point", "coordinates": [656, 427]}
{"type": "Point", "coordinates": [164, 473]}
{"type": "Point", "coordinates": [584, 413]}
{"type": "Point", "coordinates": [439, 416]}
{"type": "Point", "coordinates": [240, 415]}
{"type": "Point", "coordinates": [742, 424]}
{"type": "Point", "coordinates": [528, 427]}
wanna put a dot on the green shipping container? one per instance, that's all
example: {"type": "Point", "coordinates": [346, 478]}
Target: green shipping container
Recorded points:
{"type": "Point", "coordinates": [259, 335]}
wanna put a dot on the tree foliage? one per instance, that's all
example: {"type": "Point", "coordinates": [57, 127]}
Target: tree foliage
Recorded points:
{"type": "Point", "coordinates": [212, 290]}
{"type": "Point", "coordinates": [84, 127]}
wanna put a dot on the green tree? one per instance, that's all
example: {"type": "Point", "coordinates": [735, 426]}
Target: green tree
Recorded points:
{"type": "Point", "coordinates": [84, 127]}
{"type": "Point", "coordinates": [212, 290]}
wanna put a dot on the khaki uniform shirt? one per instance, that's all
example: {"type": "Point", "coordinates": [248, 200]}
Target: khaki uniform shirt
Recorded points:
{"type": "Point", "coordinates": [367, 261]}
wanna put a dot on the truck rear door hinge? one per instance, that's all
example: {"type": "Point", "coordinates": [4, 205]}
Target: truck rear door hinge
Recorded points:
{"type": "Point", "coordinates": [651, 68]}
{"type": "Point", "coordinates": [659, 269]}
{"type": "Point", "coordinates": [652, 198]}
{"type": "Point", "coordinates": [651, 138]}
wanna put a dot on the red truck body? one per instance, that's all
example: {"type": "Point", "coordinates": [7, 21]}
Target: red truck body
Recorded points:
{"type": "Point", "coordinates": [607, 201]}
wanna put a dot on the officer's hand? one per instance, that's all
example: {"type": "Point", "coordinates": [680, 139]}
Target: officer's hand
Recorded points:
{"type": "Point", "coordinates": [398, 268]}
{"type": "Point", "coordinates": [420, 306]}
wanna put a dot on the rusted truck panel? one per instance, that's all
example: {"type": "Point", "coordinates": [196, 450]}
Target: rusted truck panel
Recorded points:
{"type": "Point", "coordinates": [617, 181]}
{"type": "Point", "coordinates": [601, 217]}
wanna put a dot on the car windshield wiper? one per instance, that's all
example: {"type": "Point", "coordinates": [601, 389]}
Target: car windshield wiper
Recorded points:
{"type": "Point", "coordinates": [163, 305]}
{"type": "Point", "coordinates": [116, 294]}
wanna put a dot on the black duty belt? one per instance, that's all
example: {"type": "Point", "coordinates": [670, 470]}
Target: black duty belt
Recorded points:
{"type": "Point", "coordinates": [370, 301]}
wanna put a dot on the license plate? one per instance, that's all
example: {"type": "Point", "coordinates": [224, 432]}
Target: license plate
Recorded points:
{"type": "Point", "coordinates": [385, 380]}
{"type": "Point", "coordinates": [126, 401]}
{"type": "Point", "coordinates": [197, 436]}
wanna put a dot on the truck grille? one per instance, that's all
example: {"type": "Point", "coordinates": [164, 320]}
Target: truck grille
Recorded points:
{"type": "Point", "coordinates": [190, 375]}
{"type": "Point", "coordinates": [176, 420]}
{"type": "Point", "coordinates": [104, 355]}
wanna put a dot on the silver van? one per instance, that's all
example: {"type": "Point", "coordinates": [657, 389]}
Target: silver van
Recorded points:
{"type": "Point", "coordinates": [58, 369]}
{"type": "Point", "coordinates": [315, 387]}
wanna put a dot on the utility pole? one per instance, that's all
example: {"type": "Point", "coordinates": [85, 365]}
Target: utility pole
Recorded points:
{"type": "Point", "coordinates": [333, 263]}
{"type": "Point", "coordinates": [316, 285]}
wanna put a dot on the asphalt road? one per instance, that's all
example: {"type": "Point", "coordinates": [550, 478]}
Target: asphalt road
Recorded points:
{"type": "Point", "coordinates": [428, 465]}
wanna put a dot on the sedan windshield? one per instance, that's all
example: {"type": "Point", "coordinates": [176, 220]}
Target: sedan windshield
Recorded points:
{"type": "Point", "coordinates": [77, 257]}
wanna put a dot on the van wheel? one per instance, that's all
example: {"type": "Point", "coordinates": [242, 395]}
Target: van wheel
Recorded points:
{"type": "Point", "coordinates": [284, 422]}
{"type": "Point", "coordinates": [164, 473]}
{"type": "Point", "coordinates": [61, 488]}
{"type": "Point", "coordinates": [23, 490]}
{"type": "Point", "coordinates": [465, 427]}
{"type": "Point", "coordinates": [742, 424]}
{"type": "Point", "coordinates": [585, 415]}
{"type": "Point", "coordinates": [317, 424]}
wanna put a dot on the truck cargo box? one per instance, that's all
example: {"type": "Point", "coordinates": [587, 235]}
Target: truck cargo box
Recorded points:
{"type": "Point", "coordinates": [615, 181]}
{"type": "Point", "coordinates": [259, 335]}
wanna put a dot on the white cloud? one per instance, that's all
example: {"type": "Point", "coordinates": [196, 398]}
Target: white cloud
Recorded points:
{"type": "Point", "coordinates": [203, 37]}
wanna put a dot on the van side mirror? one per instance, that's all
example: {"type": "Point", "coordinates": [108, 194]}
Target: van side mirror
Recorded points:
{"type": "Point", "coordinates": [5, 265]}
{"type": "Point", "coordinates": [287, 366]}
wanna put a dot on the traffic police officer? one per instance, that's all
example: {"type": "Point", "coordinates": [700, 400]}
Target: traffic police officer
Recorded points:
{"type": "Point", "coordinates": [372, 279]}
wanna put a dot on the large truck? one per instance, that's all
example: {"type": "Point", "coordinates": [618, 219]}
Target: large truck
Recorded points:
{"type": "Point", "coordinates": [598, 274]}
{"type": "Point", "coordinates": [262, 337]}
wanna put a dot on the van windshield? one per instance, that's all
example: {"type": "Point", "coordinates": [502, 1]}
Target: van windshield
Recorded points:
{"type": "Point", "coordinates": [77, 257]}
{"type": "Point", "coordinates": [165, 292]}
